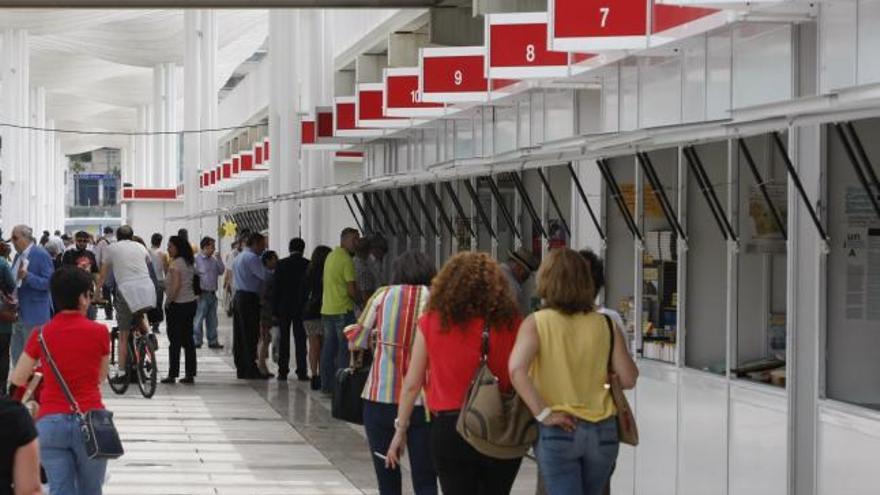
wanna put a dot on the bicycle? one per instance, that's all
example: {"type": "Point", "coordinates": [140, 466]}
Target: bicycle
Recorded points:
{"type": "Point", "coordinates": [141, 362]}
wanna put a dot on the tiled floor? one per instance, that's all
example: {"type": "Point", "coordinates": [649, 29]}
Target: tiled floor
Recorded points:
{"type": "Point", "coordinates": [228, 436]}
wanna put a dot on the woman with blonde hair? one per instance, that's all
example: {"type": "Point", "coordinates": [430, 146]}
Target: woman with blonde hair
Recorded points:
{"type": "Point", "coordinates": [560, 366]}
{"type": "Point", "coordinates": [468, 296]}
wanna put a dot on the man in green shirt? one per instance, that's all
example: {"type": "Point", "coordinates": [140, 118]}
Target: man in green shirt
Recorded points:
{"type": "Point", "coordinates": [337, 308]}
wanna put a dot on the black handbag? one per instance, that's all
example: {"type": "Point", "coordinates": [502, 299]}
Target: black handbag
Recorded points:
{"type": "Point", "coordinates": [99, 433]}
{"type": "Point", "coordinates": [347, 402]}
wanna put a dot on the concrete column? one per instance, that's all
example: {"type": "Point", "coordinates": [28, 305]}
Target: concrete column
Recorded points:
{"type": "Point", "coordinates": [209, 87]}
{"type": "Point", "coordinates": [51, 179]}
{"type": "Point", "coordinates": [144, 165]}
{"type": "Point", "coordinates": [14, 64]}
{"type": "Point", "coordinates": [164, 120]}
{"type": "Point", "coordinates": [284, 125]}
{"type": "Point", "coordinates": [191, 112]}
{"type": "Point", "coordinates": [36, 171]}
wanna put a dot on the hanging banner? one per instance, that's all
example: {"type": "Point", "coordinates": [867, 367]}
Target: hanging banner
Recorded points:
{"type": "Point", "coordinates": [345, 120]}
{"type": "Point", "coordinates": [371, 111]}
{"type": "Point", "coordinates": [517, 48]}
{"type": "Point", "coordinates": [597, 25]}
{"type": "Point", "coordinates": [603, 25]}
{"type": "Point", "coordinates": [453, 74]}
{"type": "Point", "coordinates": [403, 97]}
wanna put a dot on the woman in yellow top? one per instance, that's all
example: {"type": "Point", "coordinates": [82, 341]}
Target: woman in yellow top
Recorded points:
{"type": "Point", "coordinates": [559, 367]}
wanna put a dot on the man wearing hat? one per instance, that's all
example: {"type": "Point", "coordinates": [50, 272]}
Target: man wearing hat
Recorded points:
{"type": "Point", "coordinates": [517, 269]}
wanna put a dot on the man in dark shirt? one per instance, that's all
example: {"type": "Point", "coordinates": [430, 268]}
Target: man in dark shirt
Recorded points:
{"type": "Point", "coordinates": [81, 257]}
{"type": "Point", "coordinates": [287, 307]}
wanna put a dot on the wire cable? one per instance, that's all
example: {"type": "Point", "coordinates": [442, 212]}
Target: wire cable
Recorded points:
{"type": "Point", "coordinates": [135, 133]}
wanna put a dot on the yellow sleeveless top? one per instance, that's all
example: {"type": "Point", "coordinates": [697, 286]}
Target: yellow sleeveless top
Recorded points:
{"type": "Point", "coordinates": [571, 367]}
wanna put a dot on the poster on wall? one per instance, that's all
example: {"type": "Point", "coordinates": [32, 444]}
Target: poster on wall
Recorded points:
{"type": "Point", "coordinates": [862, 250]}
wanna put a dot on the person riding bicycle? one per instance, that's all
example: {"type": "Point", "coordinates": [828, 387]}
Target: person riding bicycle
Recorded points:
{"type": "Point", "coordinates": [129, 264]}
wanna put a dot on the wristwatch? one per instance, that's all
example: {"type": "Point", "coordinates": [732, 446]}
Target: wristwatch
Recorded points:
{"type": "Point", "coordinates": [543, 415]}
{"type": "Point", "coordinates": [400, 426]}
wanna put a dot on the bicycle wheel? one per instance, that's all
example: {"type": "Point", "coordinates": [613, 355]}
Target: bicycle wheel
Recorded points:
{"type": "Point", "coordinates": [117, 386]}
{"type": "Point", "coordinates": [146, 368]}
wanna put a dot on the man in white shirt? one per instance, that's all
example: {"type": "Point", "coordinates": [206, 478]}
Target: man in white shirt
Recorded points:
{"type": "Point", "coordinates": [106, 291]}
{"type": "Point", "coordinates": [128, 261]}
{"type": "Point", "coordinates": [160, 265]}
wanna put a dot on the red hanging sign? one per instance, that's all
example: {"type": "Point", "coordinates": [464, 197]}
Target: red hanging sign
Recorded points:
{"type": "Point", "coordinates": [308, 132]}
{"type": "Point", "coordinates": [370, 108]}
{"type": "Point", "coordinates": [517, 48]}
{"type": "Point", "coordinates": [597, 25]}
{"type": "Point", "coordinates": [453, 74]}
{"type": "Point", "coordinates": [403, 98]}
{"type": "Point", "coordinates": [345, 120]}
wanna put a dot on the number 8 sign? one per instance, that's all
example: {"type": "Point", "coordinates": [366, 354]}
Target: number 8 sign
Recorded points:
{"type": "Point", "coordinates": [517, 45]}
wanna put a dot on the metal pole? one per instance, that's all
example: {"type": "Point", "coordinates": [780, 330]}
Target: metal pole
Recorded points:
{"type": "Point", "coordinates": [475, 198]}
{"type": "Point", "coordinates": [408, 205]}
{"type": "Point", "coordinates": [866, 163]}
{"type": "Point", "coordinates": [393, 205]}
{"type": "Point", "coordinates": [583, 195]}
{"type": "Point", "coordinates": [617, 195]}
{"type": "Point", "coordinates": [792, 173]}
{"type": "Point", "coordinates": [660, 193]}
{"type": "Point", "coordinates": [553, 200]}
{"type": "Point", "coordinates": [442, 211]}
{"type": "Point", "coordinates": [458, 208]}
{"type": "Point", "coordinates": [860, 174]}
{"type": "Point", "coordinates": [504, 211]}
{"type": "Point", "coordinates": [759, 181]}
{"type": "Point", "coordinates": [385, 215]}
{"type": "Point", "coordinates": [701, 172]}
{"type": "Point", "coordinates": [424, 207]}
{"type": "Point", "coordinates": [527, 202]}
{"type": "Point", "coordinates": [367, 222]}
{"type": "Point", "coordinates": [353, 214]}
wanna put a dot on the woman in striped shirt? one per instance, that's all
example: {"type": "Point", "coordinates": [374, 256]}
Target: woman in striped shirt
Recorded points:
{"type": "Point", "coordinates": [388, 325]}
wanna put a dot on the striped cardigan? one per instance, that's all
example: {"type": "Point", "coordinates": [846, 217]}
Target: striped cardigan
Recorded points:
{"type": "Point", "coordinates": [391, 318]}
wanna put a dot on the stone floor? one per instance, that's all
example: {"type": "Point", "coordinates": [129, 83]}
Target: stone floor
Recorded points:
{"type": "Point", "coordinates": [228, 436]}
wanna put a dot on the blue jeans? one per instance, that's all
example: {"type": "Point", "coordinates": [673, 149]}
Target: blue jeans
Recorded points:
{"type": "Point", "coordinates": [379, 425]}
{"type": "Point", "coordinates": [20, 335]}
{"type": "Point", "coordinates": [207, 312]}
{"type": "Point", "coordinates": [69, 469]}
{"type": "Point", "coordinates": [577, 462]}
{"type": "Point", "coordinates": [334, 353]}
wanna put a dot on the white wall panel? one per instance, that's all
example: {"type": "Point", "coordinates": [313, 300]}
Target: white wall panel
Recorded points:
{"type": "Point", "coordinates": [610, 100]}
{"type": "Point", "coordinates": [629, 96]}
{"type": "Point", "coordinates": [718, 78]}
{"type": "Point", "coordinates": [559, 116]}
{"type": "Point", "coordinates": [657, 419]}
{"type": "Point", "coordinates": [702, 449]}
{"type": "Point", "coordinates": [758, 441]}
{"type": "Point", "coordinates": [762, 64]}
{"type": "Point", "coordinates": [849, 446]}
{"type": "Point", "coordinates": [837, 45]}
{"type": "Point", "coordinates": [693, 99]}
{"type": "Point", "coordinates": [868, 41]}
{"type": "Point", "coordinates": [660, 91]}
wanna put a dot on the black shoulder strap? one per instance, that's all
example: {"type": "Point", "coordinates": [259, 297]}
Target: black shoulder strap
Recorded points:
{"type": "Point", "coordinates": [74, 406]}
{"type": "Point", "coordinates": [484, 347]}
{"type": "Point", "coordinates": [611, 345]}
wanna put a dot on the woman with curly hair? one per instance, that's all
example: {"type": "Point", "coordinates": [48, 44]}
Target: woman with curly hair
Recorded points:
{"type": "Point", "coordinates": [469, 294]}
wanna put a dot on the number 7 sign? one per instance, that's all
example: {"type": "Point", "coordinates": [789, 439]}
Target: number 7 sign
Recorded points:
{"type": "Point", "coordinates": [598, 25]}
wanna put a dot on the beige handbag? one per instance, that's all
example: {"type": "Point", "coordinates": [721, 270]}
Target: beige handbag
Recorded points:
{"type": "Point", "coordinates": [627, 431]}
{"type": "Point", "coordinates": [496, 424]}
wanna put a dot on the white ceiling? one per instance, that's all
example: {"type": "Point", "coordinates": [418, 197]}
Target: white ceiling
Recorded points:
{"type": "Point", "coordinates": [96, 65]}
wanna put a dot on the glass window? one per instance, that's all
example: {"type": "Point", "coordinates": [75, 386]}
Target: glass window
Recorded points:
{"type": "Point", "coordinates": [853, 271]}
{"type": "Point", "coordinates": [484, 231]}
{"type": "Point", "coordinates": [559, 114]}
{"type": "Point", "coordinates": [505, 128]}
{"type": "Point", "coordinates": [464, 138]}
{"type": "Point", "coordinates": [660, 257]}
{"type": "Point", "coordinates": [762, 263]}
{"type": "Point", "coordinates": [559, 224]}
{"type": "Point", "coordinates": [506, 237]}
{"type": "Point", "coordinates": [706, 306]}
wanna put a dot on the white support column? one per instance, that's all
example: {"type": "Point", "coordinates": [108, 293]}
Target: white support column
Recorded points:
{"type": "Point", "coordinates": [15, 96]}
{"type": "Point", "coordinates": [192, 156]}
{"type": "Point", "coordinates": [208, 112]}
{"type": "Point", "coordinates": [284, 125]}
{"type": "Point", "coordinates": [51, 180]}
{"type": "Point", "coordinates": [164, 120]}
{"type": "Point", "coordinates": [36, 170]}
{"type": "Point", "coordinates": [143, 148]}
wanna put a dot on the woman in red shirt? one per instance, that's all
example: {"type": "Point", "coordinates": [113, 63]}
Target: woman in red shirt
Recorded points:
{"type": "Point", "coordinates": [81, 350]}
{"type": "Point", "coordinates": [469, 294]}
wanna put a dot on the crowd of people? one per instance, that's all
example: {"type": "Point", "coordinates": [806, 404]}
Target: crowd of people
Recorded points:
{"type": "Point", "coordinates": [426, 331]}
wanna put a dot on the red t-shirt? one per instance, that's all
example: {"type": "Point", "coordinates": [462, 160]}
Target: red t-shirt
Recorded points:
{"type": "Point", "coordinates": [78, 346]}
{"type": "Point", "coordinates": [454, 355]}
